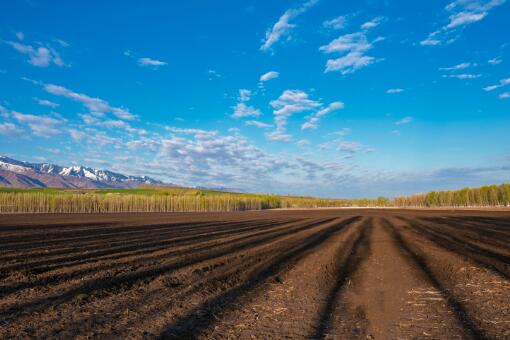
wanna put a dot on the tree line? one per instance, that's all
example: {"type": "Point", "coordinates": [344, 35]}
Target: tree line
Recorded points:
{"type": "Point", "coordinates": [485, 196]}
{"type": "Point", "coordinates": [55, 201]}
{"type": "Point", "coordinates": [186, 200]}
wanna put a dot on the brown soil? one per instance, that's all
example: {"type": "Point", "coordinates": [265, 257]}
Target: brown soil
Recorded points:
{"type": "Point", "coordinates": [341, 274]}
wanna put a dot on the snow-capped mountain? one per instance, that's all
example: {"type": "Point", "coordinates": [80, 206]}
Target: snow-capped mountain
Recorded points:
{"type": "Point", "coordinates": [24, 174]}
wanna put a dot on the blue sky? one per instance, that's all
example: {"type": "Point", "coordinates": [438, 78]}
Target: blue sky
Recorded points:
{"type": "Point", "coordinates": [320, 97]}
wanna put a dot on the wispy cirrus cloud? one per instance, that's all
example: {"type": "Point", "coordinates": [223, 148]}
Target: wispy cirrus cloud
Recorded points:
{"type": "Point", "coordinates": [395, 90]}
{"type": "Point", "coordinates": [404, 121]}
{"type": "Point", "coordinates": [460, 66]}
{"type": "Point", "coordinates": [461, 13]}
{"type": "Point", "coordinates": [373, 23]}
{"type": "Point", "coordinates": [145, 61]}
{"type": "Point", "coordinates": [462, 76]}
{"type": "Point", "coordinates": [354, 47]}
{"type": "Point", "coordinates": [502, 82]}
{"type": "Point", "coordinates": [45, 102]}
{"type": "Point", "coordinates": [337, 23]}
{"type": "Point", "coordinates": [39, 56]}
{"type": "Point", "coordinates": [42, 126]}
{"type": "Point", "coordinates": [314, 118]}
{"type": "Point", "coordinates": [269, 75]}
{"type": "Point", "coordinates": [283, 26]}
{"type": "Point", "coordinates": [97, 106]}
{"type": "Point", "coordinates": [451, 71]}
{"type": "Point", "coordinates": [495, 61]}
{"type": "Point", "coordinates": [258, 124]}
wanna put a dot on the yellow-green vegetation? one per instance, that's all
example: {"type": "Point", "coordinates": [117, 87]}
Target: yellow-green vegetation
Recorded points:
{"type": "Point", "coordinates": [156, 199]}
{"type": "Point", "coordinates": [486, 196]}
{"type": "Point", "coordinates": [176, 199]}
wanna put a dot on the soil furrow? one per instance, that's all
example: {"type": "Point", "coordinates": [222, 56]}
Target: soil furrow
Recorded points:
{"type": "Point", "coordinates": [142, 256]}
{"type": "Point", "coordinates": [300, 274]}
{"type": "Point", "coordinates": [129, 279]}
{"type": "Point", "coordinates": [497, 262]}
{"type": "Point", "coordinates": [420, 260]}
{"type": "Point", "coordinates": [201, 318]}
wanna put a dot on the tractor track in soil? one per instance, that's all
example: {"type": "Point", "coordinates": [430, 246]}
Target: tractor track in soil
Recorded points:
{"type": "Point", "coordinates": [320, 274]}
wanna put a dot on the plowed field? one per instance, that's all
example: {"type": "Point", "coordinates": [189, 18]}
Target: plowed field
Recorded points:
{"type": "Point", "coordinates": [382, 274]}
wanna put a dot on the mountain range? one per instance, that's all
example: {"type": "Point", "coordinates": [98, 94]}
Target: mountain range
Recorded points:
{"type": "Point", "coordinates": [14, 173]}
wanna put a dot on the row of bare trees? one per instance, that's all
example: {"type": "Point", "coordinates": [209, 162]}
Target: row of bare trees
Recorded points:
{"type": "Point", "coordinates": [486, 196]}
{"type": "Point", "coordinates": [68, 202]}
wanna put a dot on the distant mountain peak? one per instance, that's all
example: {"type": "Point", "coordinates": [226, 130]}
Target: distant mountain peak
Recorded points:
{"type": "Point", "coordinates": [65, 176]}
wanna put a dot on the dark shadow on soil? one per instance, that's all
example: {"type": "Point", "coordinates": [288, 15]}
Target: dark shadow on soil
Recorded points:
{"type": "Point", "coordinates": [125, 281]}
{"type": "Point", "coordinates": [494, 261]}
{"type": "Point", "coordinates": [202, 317]}
{"type": "Point", "coordinates": [349, 261]}
{"type": "Point", "coordinates": [412, 255]}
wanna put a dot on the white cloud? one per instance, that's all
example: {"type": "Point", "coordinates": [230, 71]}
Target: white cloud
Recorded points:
{"type": "Point", "coordinates": [43, 126]}
{"type": "Point", "coordinates": [19, 35]}
{"type": "Point", "coordinates": [495, 61]}
{"type": "Point", "coordinates": [269, 75]}
{"type": "Point", "coordinates": [465, 18]}
{"type": "Point", "coordinates": [355, 46]}
{"type": "Point", "coordinates": [208, 154]}
{"type": "Point", "coordinates": [151, 62]}
{"type": "Point", "coordinates": [302, 143]}
{"type": "Point", "coordinates": [502, 83]}
{"type": "Point", "coordinates": [144, 143]}
{"type": "Point", "coordinates": [258, 124]}
{"type": "Point", "coordinates": [348, 42]}
{"type": "Point", "coordinates": [491, 88]}
{"type": "Point", "coordinates": [372, 23]}
{"type": "Point", "coordinates": [283, 26]}
{"type": "Point", "coordinates": [504, 95]}
{"type": "Point", "coordinates": [186, 131]}
{"type": "Point", "coordinates": [118, 124]}
{"type": "Point", "coordinates": [62, 42]}
{"type": "Point", "coordinates": [289, 103]}
{"type": "Point", "coordinates": [337, 23]}
{"type": "Point", "coordinates": [461, 13]}
{"type": "Point", "coordinates": [462, 76]}
{"type": "Point", "coordinates": [349, 63]}
{"type": "Point", "coordinates": [460, 66]}
{"type": "Point", "coordinates": [9, 129]}
{"type": "Point", "coordinates": [314, 119]}
{"type": "Point", "coordinates": [213, 74]}
{"type": "Point", "coordinates": [45, 102]}
{"type": "Point", "coordinates": [430, 40]}
{"type": "Point", "coordinates": [38, 56]}
{"type": "Point", "coordinates": [405, 120]}
{"type": "Point", "coordinates": [76, 135]}
{"type": "Point", "coordinates": [278, 136]}
{"type": "Point", "coordinates": [351, 147]}
{"type": "Point", "coordinates": [343, 132]}
{"type": "Point", "coordinates": [242, 110]}
{"type": "Point", "coordinates": [97, 106]}
{"type": "Point", "coordinates": [393, 91]}
{"type": "Point", "coordinates": [244, 95]}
